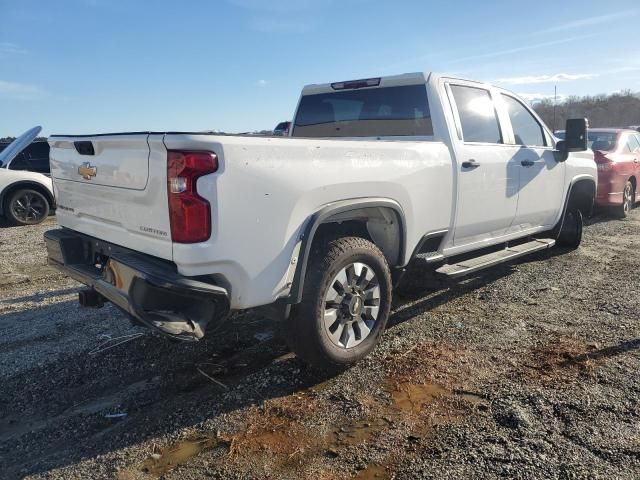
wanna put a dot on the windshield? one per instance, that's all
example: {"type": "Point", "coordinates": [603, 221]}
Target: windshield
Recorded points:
{"type": "Point", "coordinates": [372, 112]}
{"type": "Point", "coordinates": [605, 141]}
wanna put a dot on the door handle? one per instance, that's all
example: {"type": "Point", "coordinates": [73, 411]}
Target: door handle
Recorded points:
{"type": "Point", "coordinates": [470, 164]}
{"type": "Point", "coordinates": [527, 163]}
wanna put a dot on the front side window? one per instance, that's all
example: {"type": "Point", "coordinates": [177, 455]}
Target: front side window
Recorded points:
{"type": "Point", "coordinates": [526, 129]}
{"type": "Point", "coordinates": [369, 112]}
{"type": "Point", "coordinates": [478, 117]}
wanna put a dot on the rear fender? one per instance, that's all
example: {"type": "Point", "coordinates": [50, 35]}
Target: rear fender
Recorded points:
{"type": "Point", "coordinates": [386, 227]}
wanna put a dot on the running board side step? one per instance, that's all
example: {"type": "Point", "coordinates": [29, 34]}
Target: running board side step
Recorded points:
{"type": "Point", "coordinates": [474, 264]}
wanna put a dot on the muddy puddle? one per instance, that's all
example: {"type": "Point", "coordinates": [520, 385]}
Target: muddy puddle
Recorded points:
{"type": "Point", "coordinates": [373, 472]}
{"type": "Point", "coordinates": [430, 403]}
{"type": "Point", "coordinates": [286, 443]}
{"type": "Point", "coordinates": [167, 459]}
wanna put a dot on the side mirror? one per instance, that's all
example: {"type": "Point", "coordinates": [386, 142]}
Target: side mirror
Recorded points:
{"type": "Point", "coordinates": [575, 138]}
{"type": "Point", "coordinates": [576, 135]}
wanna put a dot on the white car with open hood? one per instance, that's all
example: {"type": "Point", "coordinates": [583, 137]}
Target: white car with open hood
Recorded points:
{"type": "Point", "coordinates": [176, 229]}
{"type": "Point", "coordinates": [26, 198]}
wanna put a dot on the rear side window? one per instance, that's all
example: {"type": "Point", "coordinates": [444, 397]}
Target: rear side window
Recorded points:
{"type": "Point", "coordinates": [632, 143]}
{"type": "Point", "coordinates": [371, 112]}
{"type": "Point", "coordinates": [477, 113]}
{"type": "Point", "coordinates": [526, 129]}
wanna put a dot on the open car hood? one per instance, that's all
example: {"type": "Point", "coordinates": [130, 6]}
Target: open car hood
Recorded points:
{"type": "Point", "coordinates": [8, 154]}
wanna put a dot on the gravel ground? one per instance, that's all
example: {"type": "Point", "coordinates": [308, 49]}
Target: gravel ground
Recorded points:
{"type": "Point", "coordinates": [524, 371]}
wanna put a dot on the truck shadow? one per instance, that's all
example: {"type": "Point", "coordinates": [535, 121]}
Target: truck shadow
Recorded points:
{"type": "Point", "coordinates": [64, 405]}
{"type": "Point", "coordinates": [427, 290]}
{"type": "Point", "coordinates": [67, 406]}
{"type": "Point", "coordinates": [38, 297]}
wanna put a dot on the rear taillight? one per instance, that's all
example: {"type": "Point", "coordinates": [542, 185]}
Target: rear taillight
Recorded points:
{"type": "Point", "coordinates": [189, 213]}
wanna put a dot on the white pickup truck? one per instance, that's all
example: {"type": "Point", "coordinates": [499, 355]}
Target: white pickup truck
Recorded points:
{"type": "Point", "coordinates": [177, 229]}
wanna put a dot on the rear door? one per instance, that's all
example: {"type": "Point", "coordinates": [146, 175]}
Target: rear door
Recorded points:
{"type": "Point", "coordinates": [114, 187]}
{"type": "Point", "coordinates": [487, 193]}
{"type": "Point", "coordinates": [541, 177]}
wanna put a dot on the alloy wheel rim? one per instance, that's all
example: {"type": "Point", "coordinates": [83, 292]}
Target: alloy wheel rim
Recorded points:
{"type": "Point", "coordinates": [627, 198]}
{"type": "Point", "coordinates": [351, 305]}
{"type": "Point", "coordinates": [28, 208]}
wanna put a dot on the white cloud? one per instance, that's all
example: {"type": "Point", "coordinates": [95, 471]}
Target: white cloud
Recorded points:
{"type": "Point", "coordinates": [262, 83]}
{"type": "Point", "coordinates": [591, 21]}
{"type": "Point", "coordinates": [8, 48]}
{"type": "Point", "coordinates": [20, 91]}
{"type": "Point", "coordinates": [555, 78]}
{"type": "Point", "coordinates": [281, 6]}
{"type": "Point", "coordinates": [279, 25]}
{"type": "Point", "coordinates": [538, 97]}
{"type": "Point", "coordinates": [523, 48]}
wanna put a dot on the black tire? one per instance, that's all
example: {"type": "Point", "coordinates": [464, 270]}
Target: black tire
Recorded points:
{"type": "Point", "coordinates": [306, 332]}
{"type": "Point", "coordinates": [26, 207]}
{"type": "Point", "coordinates": [628, 200]}
{"type": "Point", "coordinates": [571, 231]}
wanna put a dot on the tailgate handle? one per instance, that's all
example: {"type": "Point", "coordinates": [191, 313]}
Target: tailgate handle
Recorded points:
{"type": "Point", "coordinates": [84, 147]}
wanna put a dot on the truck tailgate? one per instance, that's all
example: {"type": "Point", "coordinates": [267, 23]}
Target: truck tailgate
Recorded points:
{"type": "Point", "coordinates": [114, 187]}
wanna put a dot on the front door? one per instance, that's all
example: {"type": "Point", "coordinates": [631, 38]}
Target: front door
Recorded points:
{"type": "Point", "coordinates": [541, 175]}
{"type": "Point", "coordinates": [487, 181]}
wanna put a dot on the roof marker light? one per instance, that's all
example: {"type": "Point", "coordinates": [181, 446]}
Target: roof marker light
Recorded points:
{"type": "Point", "coordinates": [352, 84]}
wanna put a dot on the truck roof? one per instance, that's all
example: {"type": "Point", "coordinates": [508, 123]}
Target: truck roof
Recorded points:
{"type": "Point", "coordinates": [415, 78]}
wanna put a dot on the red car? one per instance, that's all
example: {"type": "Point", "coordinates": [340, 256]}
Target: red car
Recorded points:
{"type": "Point", "coordinates": [617, 153]}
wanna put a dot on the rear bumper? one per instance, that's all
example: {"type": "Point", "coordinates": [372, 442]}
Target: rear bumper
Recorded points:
{"type": "Point", "coordinates": [146, 288]}
{"type": "Point", "coordinates": [609, 199]}
{"type": "Point", "coordinates": [610, 188]}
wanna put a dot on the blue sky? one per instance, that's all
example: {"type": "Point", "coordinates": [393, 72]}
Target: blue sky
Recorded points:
{"type": "Point", "coordinates": [89, 66]}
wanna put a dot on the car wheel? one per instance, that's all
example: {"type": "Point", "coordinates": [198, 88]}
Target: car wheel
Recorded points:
{"type": "Point", "coordinates": [26, 207]}
{"type": "Point", "coordinates": [571, 231]}
{"type": "Point", "coordinates": [345, 304]}
{"type": "Point", "coordinates": [628, 200]}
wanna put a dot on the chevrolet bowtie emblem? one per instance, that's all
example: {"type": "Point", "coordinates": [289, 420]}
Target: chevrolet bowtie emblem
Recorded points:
{"type": "Point", "coordinates": [87, 171]}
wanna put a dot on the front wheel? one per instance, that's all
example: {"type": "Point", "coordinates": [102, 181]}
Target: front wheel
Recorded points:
{"type": "Point", "coordinates": [345, 304]}
{"type": "Point", "coordinates": [26, 207]}
{"type": "Point", "coordinates": [571, 231]}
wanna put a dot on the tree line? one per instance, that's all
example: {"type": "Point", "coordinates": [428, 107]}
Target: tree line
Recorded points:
{"type": "Point", "coordinates": [614, 110]}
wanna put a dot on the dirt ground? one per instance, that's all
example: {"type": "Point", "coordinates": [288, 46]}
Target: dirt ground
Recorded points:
{"type": "Point", "coordinates": [524, 371]}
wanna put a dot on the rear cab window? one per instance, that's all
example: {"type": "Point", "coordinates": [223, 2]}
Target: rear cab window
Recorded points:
{"type": "Point", "coordinates": [365, 112]}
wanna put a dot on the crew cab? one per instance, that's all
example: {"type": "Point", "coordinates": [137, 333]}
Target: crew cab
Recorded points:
{"type": "Point", "coordinates": [177, 229]}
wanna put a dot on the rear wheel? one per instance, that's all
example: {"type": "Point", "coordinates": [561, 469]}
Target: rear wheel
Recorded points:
{"type": "Point", "coordinates": [571, 231]}
{"type": "Point", "coordinates": [26, 207]}
{"type": "Point", "coordinates": [628, 200]}
{"type": "Point", "coordinates": [345, 304]}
